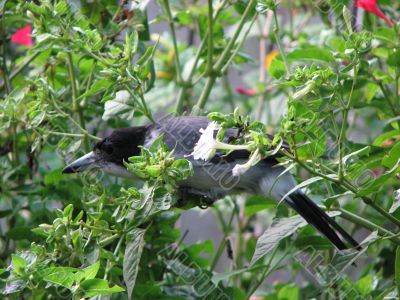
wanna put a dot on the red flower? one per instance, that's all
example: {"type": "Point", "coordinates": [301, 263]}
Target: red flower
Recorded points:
{"type": "Point", "coordinates": [23, 36]}
{"type": "Point", "coordinates": [244, 91]}
{"type": "Point", "coordinates": [372, 7]}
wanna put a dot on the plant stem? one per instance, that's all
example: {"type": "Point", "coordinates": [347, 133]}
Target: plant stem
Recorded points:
{"type": "Point", "coordinates": [264, 33]}
{"type": "Point", "coordinates": [221, 61]}
{"type": "Point", "coordinates": [204, 95]}
{"type": "Point", "coordinates": [239, 46]}
{"type": "Point", "coordinates": [268, 270]}
{"type": "Point", "coordinates": [370, 202]}
{"type": "Point", "coordinates": [278, 42]}
{"type": "Point", "coordinates": [80, 135]}
{"type": "Point", "coordinates": [20, 68]}
{"type": "Point", "coordinates": [189, 81]}
{"type": "Point", "coordinates": [84, 131]}
{"type": "Point", "coordinates": [7, 82]}
{"type": "Point", "coordinates": [222, 244]}
{"type": "Point", "coordinates": [368, 224]}
{"type": "Point", "coordinates": [15, 144]}
{"type": "Point", "coordinates": [228, 90]}
{"type": "Point", "coordinates": [174, 40]}
{"type": "Point", "coordinates": [344, 183]}
{"type": "Point", "coordinates": [75, 105]}
{"type": "Point", "coordinates": [342, 134]}
{"type": "Point", "coordinates": [210, 45]}
{"type": "Point", "coordinates": [116, 250]}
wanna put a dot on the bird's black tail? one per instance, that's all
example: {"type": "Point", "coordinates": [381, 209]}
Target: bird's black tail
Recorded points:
{"type": "Point", "coordinates": [315, 216]}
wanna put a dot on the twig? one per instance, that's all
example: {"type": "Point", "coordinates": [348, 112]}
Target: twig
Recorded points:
{"type": "Point", "coordinates": [189, 81]}
{"type": "Point", "coordinates": [222, 244]}
{"type": "Point", "coordinates": [174, 40]}
{"type": "Point", "coordinates": [342, 133]}
{"type": "Point", "coordinates": [20, 68]}
{"type": "Point", "coordinates": [221, 61]}
{"type": "Point", "coordinates": [368, 224]}
{"type": "Point", "coordinates": [7, 83]}
{"type": "Point", "coordinates": [264, 34]}
{"type": "Point", "coordinates": [75, 105]}
{"type": "Point", "coordinates": [278, 42]}
{"type": "Point", "coordinates": [344, 183]}
{"type": "Point", "coordinates": [210, 46]}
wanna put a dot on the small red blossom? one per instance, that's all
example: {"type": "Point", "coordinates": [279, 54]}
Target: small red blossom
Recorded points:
{"type": "Point", "coordinates": [372, 7]}
{"type": "Point", "coordinates": [23, 36]}
{"type": "Point", "coordinates": [243, 91]}
{"type": "Point", "coordinates": [377, 172]}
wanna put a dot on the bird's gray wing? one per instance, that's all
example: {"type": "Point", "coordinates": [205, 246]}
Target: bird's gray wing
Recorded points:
{"type": "Point", "coordinates": [182, 133]}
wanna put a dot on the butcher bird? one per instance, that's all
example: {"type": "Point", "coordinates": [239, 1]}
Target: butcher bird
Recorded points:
{"type": "Point", "coordinates": [213, 178]}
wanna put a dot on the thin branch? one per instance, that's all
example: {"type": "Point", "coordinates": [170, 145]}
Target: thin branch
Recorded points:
{"type": "Point", "coordinates": [264, 34]}
{"type": "Point", "coordinates": [171, 25]}
{"type": "Point", "coordinates": [278, 42]}
{"type": "Point", "coordinates": [221, 61]}
{"type": "Point", "coordinates": [75, 105]}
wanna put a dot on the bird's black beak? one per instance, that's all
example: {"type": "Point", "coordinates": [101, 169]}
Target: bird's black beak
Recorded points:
{"type": "Point", "coordinates": [81, 164]}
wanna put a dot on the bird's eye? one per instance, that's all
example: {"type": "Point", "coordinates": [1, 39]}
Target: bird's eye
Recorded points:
{"type": "Point", "coordinates": [107, 148]}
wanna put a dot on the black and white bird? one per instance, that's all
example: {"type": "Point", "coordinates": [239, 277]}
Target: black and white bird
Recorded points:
{"type": "Point", "coordinates": [213, 178]}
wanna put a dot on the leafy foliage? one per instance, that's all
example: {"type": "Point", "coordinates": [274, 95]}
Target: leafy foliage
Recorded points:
{"type": "Point", "coordinates": [94, 66]}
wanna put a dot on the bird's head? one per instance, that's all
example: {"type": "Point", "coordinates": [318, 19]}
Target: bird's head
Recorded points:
{"type": "Point", "coordinates": [110, 153]}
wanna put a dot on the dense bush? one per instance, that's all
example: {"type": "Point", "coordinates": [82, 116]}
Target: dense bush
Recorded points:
{"type": "Point", "coordinates": [323, 75]}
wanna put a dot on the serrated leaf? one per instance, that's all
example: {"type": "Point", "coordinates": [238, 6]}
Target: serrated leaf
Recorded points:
{"type": "Point", "coordinates": [19, 264]}
{"type": "Point", "coordinates": [122, 105]}
{"type": "Point", "coordinates": [396, 202]}
{"type": "Point", "coordinates": [94, 287]}
{"type": "Point", "coordinates": [61, 276]}
{"type": "Point", "coordinates": [133, 253]}
{"type": "Point", "coordinates": [279, 229]}
{"type": "Point", "coordinates": [88, 272]}
{"type": "Point", "coordinates": [277, 68]}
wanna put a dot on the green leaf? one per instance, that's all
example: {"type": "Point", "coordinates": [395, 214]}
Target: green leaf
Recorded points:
{"type": "Point", "coordinates": [370, 91]}
{"type": "Point", "coordinates": [133, 253]}
{"type": "Point", "coordinates": [20, 233]}
{"type": "Point", "coordinates": [89, 272]}
{"type": "Point", "coordinates": [380, 140]}
{"type": "Point", "coordinates": [365, 285]}
{"type": "Point", "coordinates": [304, 184]}
{"type": "Point", "coordinates": [122, 106]}
{"type": "Point", "coordinates": [255, 204]}
{"type": "Point", "coordinates": [184, 166]}
{"type": "Point", "coordinates": [61, 7]}
{"type": "Point", "coordinates": [396, 202]}
{"type": "Point", "coordinates": [279, 229]}
{"type": "Point", "coordinates": [97, 88]}
{"type": "Point", "coordinates": [61, 276]}
{"type": "Point", "coordinates": [53, 178]}
{"type": "Point", "coordinates": [392, 157]}
{"type": "Point", "coordinates": [277, 68]}
{"type": "Point", "coordinates": [289, 292]}
{"type": "Point", "coordinates": [162, 198]}
{"type": "Point", "coordinates": [312, 53]}
{"type": "Point", "coordinates": [385, 34]}
{"type": "Point", "coordinates": [397, 269]}
{"type": "Point", "coordinates": [94, 287]}
{"type": "Point", "coordinates": [19, 264]}
{"type": "Point", "coordinates": [394, 59]}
